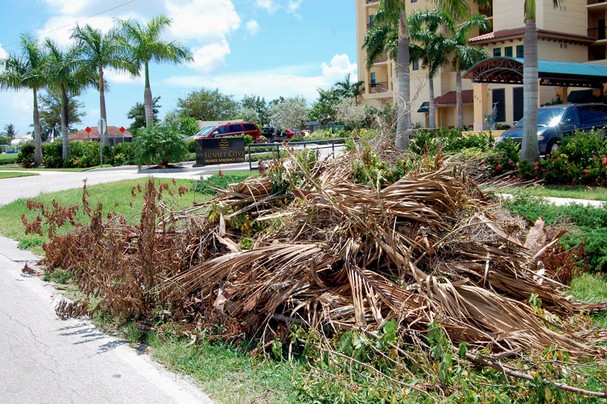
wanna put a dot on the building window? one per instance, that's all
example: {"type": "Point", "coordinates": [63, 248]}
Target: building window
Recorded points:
{"type": "Point", "coordinates": [413, 1]}
{"type": "Point", "coordinates": [371, 19]}
{"type": "Point", "coordinates": [520, 51]}
{"type": "Point", "coordinates": [508, 51]}
{"type": "Point", "coordinates": [497, 51]}
{"type": "Point", "coordinates": [373, 79]}
{"type": "Point", "coordinates": [415, 64]}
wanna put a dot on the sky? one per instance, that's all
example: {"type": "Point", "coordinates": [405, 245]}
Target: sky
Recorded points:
{"type": "Point", "coordinates": [268, 48]}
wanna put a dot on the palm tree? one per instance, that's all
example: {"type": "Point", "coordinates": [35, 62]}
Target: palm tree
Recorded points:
{"type": "Point", "coordinates": [26, 71]}
{"type": "Point", "coordinates": [348, 89]}
{"type": "Point", "coordinates": [67, 74]}
{"type": "Point", "coordinates": [144, 45]}
{"type": "Point", "coordinates": [465, 56]}
{"type": "Point", "coordinates": [529, 148]}
{"type": "Point", "coordinates": [428, 40]}
{"type": "Point", "coordinates": [102, 51]}
{"type": "Point", "coordinates": [390, 18]}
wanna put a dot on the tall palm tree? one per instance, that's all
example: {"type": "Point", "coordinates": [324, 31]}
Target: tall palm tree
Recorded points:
{"type": "Point", "coordinates": [145, 45]}
{"type": "Point", "coordinates": [26, 71]}
{"type": "Point", "coordinates": [391, 18]}
{"type": "Point", "coordinates": [465, 56]}
{"type": "Point", "coordinates": [67, 75]}
{"type": "Point", "coordinates": [427, 39]}
{"type": "Point", "coordinates": [529, 148]}
{"type": "Point", "coordinates": [102, 51]}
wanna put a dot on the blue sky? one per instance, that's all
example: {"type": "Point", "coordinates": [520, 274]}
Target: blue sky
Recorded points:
{"type": "Point", "coordinates": [269, 48]}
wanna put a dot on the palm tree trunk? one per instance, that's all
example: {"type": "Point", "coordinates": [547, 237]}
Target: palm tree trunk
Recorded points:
{"type": "Point", "coordinates": [403, 100]}
{"type": "Point", "coordinates": [529, 148]}
{"type": "Point", "coordinates": [64, 136]}
{"type": "Point", "coordinates": [431, 105]}
{"type": "Point", "coordinates": [148, 103]}
{"type": "Point", "coordinates": [102, 138]}
{"type": "Point", "coordinates": [37, 137]}
{"type": "Point", "coordinates": [458, 100]}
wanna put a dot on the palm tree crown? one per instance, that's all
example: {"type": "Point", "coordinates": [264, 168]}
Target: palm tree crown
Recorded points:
{"type": "Point", "coordinates": [145, 45]}
{"type": "Point", "coordinates": [27, 71]}
{"type": "Point", "coordinates": [102, 51]}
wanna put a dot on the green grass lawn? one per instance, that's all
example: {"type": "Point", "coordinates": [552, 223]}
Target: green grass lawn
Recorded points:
{"type": "Point", "coordinates": [14, 174]}
{"type": "Point", "coordinates": [114, 197]}
{"type": "Point", "coordinates": [8, 158]}
{"type": "Point", "coordinates": [557, 191]}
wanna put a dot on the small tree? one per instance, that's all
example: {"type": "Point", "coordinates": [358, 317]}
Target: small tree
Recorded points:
{"type": "Point", "coordinates": [9, 130]}
{"type": "Point", "coordinates": [161, 145]}
{"type": "Point", "coordinates": [350, 113]}
{"type": "Point", "coordinates": [208, 105]}
{"type": "Point", "coordinates": [290, 113]}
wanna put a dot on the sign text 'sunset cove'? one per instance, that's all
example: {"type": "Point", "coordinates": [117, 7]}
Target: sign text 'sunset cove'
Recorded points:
{"type": "Point", "coordinates": [219, 151]}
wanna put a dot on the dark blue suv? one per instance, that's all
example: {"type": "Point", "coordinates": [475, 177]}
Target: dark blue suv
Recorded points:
{"type": "Point", "coordinates": [556, 121]}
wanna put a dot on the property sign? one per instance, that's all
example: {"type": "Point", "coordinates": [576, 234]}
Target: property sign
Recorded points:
{"type": "Point", "coordinates": [219, 151]}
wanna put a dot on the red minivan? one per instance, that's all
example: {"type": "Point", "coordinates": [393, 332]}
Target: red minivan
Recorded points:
{"type": "Point", "coordinates": [229, 129]}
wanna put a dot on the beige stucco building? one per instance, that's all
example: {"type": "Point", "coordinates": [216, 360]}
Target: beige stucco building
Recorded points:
{"type": "Point", "coordinates": [572, 32]}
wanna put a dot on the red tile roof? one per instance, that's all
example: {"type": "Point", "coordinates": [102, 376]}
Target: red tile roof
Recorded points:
{"type": "Point", "coordinates": [516, 33]}
{"type": "Point", "coordinates": [112, 132]}
{"type": "Point", "coordinates": [449, 98]}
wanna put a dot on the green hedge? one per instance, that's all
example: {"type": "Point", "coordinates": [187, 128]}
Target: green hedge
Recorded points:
{"type": "Point", "coordinates": [82, 155]}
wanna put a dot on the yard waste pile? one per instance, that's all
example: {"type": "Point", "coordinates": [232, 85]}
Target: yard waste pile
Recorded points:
{"type": "Point", "coordinates": [308, 243]}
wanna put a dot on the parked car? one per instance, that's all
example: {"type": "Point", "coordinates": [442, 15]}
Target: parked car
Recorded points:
{"type": "Point", "coordinates": [274, 135]}
{"type": "Point", "coordinates": [229, 129]}
{"type": "Point", "coordinates": [556, 121]}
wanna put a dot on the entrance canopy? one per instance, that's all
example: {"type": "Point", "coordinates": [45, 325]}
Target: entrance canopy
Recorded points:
{"type": "Point", "coordinates": [509, 70]}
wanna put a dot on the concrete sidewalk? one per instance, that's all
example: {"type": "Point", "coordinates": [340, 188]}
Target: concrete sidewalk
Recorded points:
{"type": "Point", "coordinates": [564, 201]}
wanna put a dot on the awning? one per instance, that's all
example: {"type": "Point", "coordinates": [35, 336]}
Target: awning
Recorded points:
{"type": "Point", "coordinates": [550, 72]}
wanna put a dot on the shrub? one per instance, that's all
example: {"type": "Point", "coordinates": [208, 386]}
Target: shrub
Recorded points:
{"type": "Point", "coordinates": [51, 155]}
{"type": "Point", "coordinates": [120, 154]}
{"type": "Point", "coordinates": [580, 159]}
{"type": "Point", "coordinates": [26, 155]}
{"type": "Point", "coordinates": [160, 144]}
{"type": "Point", "coordinates": [429, 141]}
{"type": "Point", "coordinates": [84, 154]}
{"type": "Point", "coordinates": [503, 158]}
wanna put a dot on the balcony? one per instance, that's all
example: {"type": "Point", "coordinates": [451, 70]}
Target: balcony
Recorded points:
{"type": "Point", "coordinates": [597, 33]}
{"type": "Point", "coordinates": [378, 87]}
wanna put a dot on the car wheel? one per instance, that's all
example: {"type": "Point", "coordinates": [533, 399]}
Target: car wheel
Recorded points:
{"type": "Point", "coordinates": [552, 147]}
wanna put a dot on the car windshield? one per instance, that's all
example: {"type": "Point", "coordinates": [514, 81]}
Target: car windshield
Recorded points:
{"type": "Point", "coordinates": [546, 117]}
{"type": "Point", "coordinates": [204, 131]}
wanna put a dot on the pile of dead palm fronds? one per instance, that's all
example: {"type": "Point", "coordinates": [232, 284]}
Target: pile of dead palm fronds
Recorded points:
{"type": "Point", "coordinates": [331, 253]}
{"type": "Point", "coordinates": [331, 246]}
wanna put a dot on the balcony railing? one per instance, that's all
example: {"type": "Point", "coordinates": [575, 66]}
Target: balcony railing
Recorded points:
{"type": "Point", "coordinates": [372, 1]}
{"type": "Point", "coordinates": [590, 2]}
{"type": "Point", "coordinates": [380, 87]}
{"type": "Point", "coordinates": [597, 33]}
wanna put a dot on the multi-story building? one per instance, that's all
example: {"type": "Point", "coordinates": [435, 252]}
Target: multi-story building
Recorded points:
{"type": "Point", "coordinates": [573, 32]}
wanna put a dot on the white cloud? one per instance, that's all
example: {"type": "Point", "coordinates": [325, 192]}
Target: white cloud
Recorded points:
{"type": "Point", "coordinates": [287, 81]}
{"type": "Point", "coordinates": [59, 29]}
{"type": "Point", "coordinates": [68, 7]}
{"type": "Point", "coordinates": [202, 20]}
{"type": "Point", "coordinates": [209, 57]}
{"type": "Point", "coordinates": [266, 5]}
{"type": "Point", "coordinates": [123, 78]}
{"type": "Point", "coordinates": [293, 5]}
{"type": "Point", "coordinates": [16, 107]}
{"type": "Point", "coordinates": [338, 68]}
{"type": "Point", "coordinates": [3, 55]}
{"type": "Point", "coordinates": [252, 27]}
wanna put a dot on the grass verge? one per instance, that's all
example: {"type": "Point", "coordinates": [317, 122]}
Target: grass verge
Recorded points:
{"type": "Point", "coordinates": [116, 197]}
{"type": "Point", "coordinates": [557, 191]}
{"type": "Point", "coordinates": [15, 174]}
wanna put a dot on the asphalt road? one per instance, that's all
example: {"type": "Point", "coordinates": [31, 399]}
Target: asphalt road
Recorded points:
{"type": "Point", "coordinates": [46, 360]}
